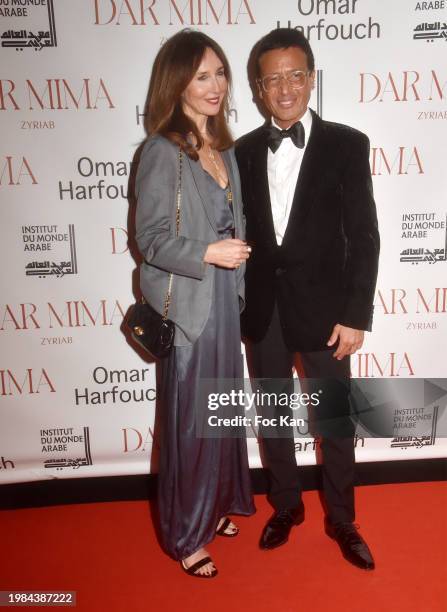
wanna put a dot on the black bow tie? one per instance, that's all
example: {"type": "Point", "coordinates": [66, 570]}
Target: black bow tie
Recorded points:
{"type": "Point", "coordinates": [275, 136]}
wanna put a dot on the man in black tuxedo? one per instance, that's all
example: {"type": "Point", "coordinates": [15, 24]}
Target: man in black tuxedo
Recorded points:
{"type": "Point", "coordinates": [310, 281]}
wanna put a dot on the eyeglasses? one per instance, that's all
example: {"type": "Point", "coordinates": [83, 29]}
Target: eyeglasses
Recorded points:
{"type": "Point", "coordinates": [295, 78]}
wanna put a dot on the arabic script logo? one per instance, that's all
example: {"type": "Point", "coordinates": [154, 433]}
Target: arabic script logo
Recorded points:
{"type": "Point", "coordinates": [411, 412]}
{"type": "Point", "coordinates": [58, 247]}
{"type": "Point", "coordinates": [69, 446]}
{"type": "Point", "coordinates": [426, 228]}
{"type": "Point", "coordinates": [38, 28]}
{"type": "Point", "coordinates": [431, 31]}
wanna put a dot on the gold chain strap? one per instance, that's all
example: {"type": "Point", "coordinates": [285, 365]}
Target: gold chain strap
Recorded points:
{"type": "Point", "coordinates": [177, 229]}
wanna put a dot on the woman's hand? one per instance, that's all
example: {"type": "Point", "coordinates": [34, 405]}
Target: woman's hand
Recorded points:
{"type": "Point", "coordinates": [228, 253]}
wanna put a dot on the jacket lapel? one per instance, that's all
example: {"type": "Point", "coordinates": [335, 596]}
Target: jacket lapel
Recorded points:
{"type": "Point", "coordinates": [260, 187]}
{"type": "Point", "coordinates": [199, 178]}
{"type": "Point", "coordinates": [237, 211]}
{"type": "Point", "coordinates": [307, 178]}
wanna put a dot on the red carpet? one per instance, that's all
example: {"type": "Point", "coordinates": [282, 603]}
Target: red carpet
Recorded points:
{"type": "Point", "coordinates": [109, 554]}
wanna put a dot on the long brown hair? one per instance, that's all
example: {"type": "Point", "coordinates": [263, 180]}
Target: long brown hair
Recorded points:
{"type": "Point", "coordinates": [174, 68]}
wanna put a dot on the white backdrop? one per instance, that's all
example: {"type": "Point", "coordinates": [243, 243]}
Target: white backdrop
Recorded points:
{"type": "Point", "coordinates": [75, 398]}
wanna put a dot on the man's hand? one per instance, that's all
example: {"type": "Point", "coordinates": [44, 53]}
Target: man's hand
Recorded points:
{"type": "Point", "coordinates": [350, 340]}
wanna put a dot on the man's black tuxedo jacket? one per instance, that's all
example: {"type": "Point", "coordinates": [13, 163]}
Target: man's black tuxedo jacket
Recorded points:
{"type": "Point", "coordinates": [325, 270]}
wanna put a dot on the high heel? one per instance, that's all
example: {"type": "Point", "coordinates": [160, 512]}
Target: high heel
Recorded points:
{"type": "Point", "coordinates": [192, 571]}
{"type": "Point", "coordinates": [222, 529]}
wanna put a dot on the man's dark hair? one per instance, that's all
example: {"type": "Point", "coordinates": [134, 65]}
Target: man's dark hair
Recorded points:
{"type": "Point", "coordinates": [282, 38]}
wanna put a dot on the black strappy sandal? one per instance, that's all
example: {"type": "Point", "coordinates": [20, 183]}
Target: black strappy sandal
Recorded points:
{"type": "Point", "coordinates": [196, 566]}
{"type": "Point", "coordinates": [224, 526]}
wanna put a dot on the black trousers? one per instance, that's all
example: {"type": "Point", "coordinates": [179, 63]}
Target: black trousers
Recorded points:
{"type": "Point", "coordinates": [271, 359]}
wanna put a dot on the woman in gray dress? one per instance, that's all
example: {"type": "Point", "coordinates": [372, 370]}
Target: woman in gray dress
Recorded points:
{"type": "Point", "coordinates": [203, 477]}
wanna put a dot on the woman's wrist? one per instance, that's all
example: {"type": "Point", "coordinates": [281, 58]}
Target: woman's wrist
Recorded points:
{"type": "Point", "coordinates": [206, 257]}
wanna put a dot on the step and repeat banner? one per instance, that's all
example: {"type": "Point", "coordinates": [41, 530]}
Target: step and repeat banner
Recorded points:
{"type": "Point", "coordinates": [76, 398]}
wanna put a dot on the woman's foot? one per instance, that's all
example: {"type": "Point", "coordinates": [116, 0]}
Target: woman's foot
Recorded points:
{"type": "Point", "coordinates": [199, 564]}
{"type": "Point", "coordinates": [227, 528]}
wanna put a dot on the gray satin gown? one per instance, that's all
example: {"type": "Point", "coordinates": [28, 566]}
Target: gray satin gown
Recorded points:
{"type": "Point", "coordinates": [202, 479]}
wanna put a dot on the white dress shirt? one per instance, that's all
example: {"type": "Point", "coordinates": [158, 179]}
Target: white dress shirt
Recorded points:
{"type": "Point", "coordinates": [283, 168]}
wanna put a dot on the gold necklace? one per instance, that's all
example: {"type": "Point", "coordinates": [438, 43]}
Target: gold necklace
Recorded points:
{"type": "Point", "coordinates": [214, 161]}
{"type": "Point", "coordinates": [219, 173]}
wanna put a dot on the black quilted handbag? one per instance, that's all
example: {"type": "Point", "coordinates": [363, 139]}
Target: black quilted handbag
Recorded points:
{"type": "Point", "coordinates": [151, 330]}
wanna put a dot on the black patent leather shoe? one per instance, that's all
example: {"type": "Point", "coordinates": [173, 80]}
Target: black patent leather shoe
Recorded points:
{"type": "Point", "coordinates": [277, 530]}
{"type": "Point", "coordinates": [352, 545]}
